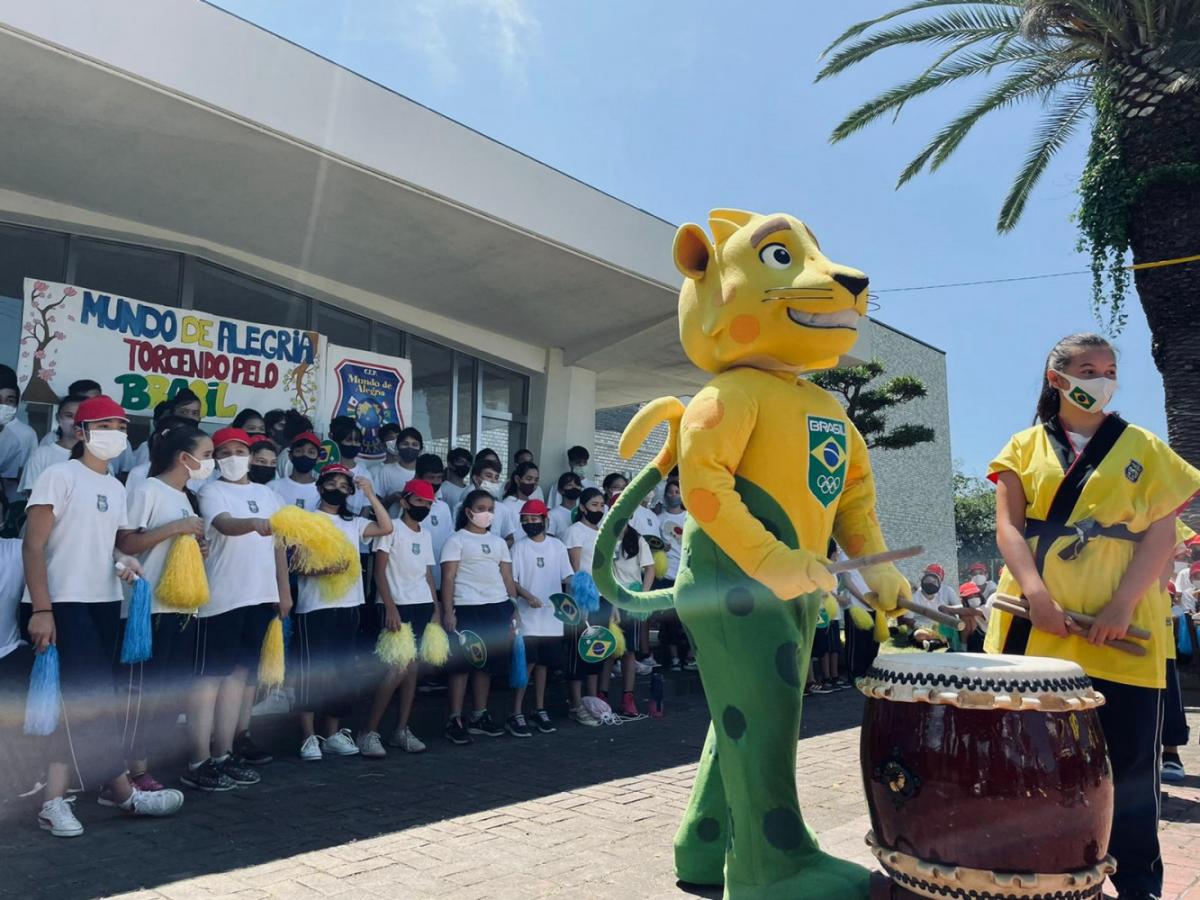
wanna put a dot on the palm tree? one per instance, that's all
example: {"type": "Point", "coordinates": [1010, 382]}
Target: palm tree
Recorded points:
{"type": "Point", "coordinates": [1130, 69]}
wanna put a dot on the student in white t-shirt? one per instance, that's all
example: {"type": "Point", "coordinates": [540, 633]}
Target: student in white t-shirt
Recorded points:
{"type": "Point", "coordinates": [248, 586]}
{"type": "Point", "coordinates": [141, 471]}
{"type": "Point", "coordinates": [670, 528]}
{"type": "Point", "coordinates": [633, 567]}
{"type": "Point", "coordinates": [522, 458]}
{"type": "Point", "coordinates": [477, 586]}
{"type": "Point", "coordinates": [160, 509]}
{"type": "Point", "coordinates": [74, 589]}
{"type": "Point", "coordinates": [568, 489]}
{"type": "Point", "coordinates": [299, 487]}
{"type": "Point", "coordinates": [58, 450]}
{"type": "Point", "coordinates": [404, 564]}
{"type": "Point", "coordinates": [399, 467]}
{"type": "Point", "coordinates": [17, 440]}
{"type": "Point", "coordinates": [522, 487]}
{"type": "Point", "coordinates": [264, 459]}
{"type": "Point", "coordinates": [578, 465]}
{"type": "Point", "coordinates": [327, 627]}
{"type": "Point", "coordinates": [582, 676]}
{"type": "Point", "coordinates": [345, 432]}
{"type": "Point", "coordinates": [541, 567]}
{"type": "Point", "coordinates": [458, 472]}
{"type": "Point", "coordinates": [485, 476]}
{"type": "Point", "coordinates": [440, 521]}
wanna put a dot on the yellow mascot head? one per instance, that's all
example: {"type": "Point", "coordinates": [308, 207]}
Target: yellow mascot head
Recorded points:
{"type": "Point", "coordinates": [762, 295]}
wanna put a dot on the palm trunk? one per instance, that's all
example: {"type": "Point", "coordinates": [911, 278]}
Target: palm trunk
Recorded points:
{"type": "Point", "coordinates": [1163, 150]}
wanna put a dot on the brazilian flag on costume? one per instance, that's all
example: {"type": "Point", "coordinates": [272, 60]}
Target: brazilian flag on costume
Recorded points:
{"type": "Point", "coordinates": [1138, 482]}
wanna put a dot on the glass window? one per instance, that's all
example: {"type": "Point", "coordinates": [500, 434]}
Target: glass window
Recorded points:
{"type": "Point", "coordinates": [388, 340]}
{"type": "Point", "coordinates": [432, 368]}
{"type": "Point", "coordinates": [224, 293]}
{"type": "Point", "coordinates": [505, 437]}
{"type": "Point", "coordinates": [343, 328]}
{"type": "Point", "coordinates": [503, 391]}
{"type": "Point", "coordinates": [24, 253]}
{"type": "Point", "coordinates": [464, 429]}
{"type": "Point", "coordinates": [135, 272]}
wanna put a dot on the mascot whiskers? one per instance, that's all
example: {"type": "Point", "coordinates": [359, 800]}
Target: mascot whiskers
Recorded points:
{"type": "Point", "coordinates": [770, 467]}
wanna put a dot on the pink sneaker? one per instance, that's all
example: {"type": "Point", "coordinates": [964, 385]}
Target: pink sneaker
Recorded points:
{"type": "Point", "coordinates": [628, 707]}
{"type": "Point", "coordinates": [145, 782]}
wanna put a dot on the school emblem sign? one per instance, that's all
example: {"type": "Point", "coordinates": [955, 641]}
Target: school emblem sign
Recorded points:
{"type": "Point", "coordinates": [827, 452]}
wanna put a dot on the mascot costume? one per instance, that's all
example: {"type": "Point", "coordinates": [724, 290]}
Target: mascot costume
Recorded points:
{"type": "Point", "coordinates": [770, 467]}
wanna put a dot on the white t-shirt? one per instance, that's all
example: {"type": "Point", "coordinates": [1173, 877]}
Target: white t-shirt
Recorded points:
{"type": "Point", "coordinates": [644, 521]}
{"type": "Point", "coordinates": [295, 493]}
{"type": "Point", "coordinates": [452, 494]}
{"type": "Point", "coordinates": [89, 508]}
{"type": "Point", "coordinates": [12, 585]}
{"type": "Point", "coordinates": [540, 567]}
{"type": "Point", "coordinates": [478, 580]}
{"type": "Point", "coordinates": [241, 569]}
{"type": "Point", "coordinates": [42, 458]}
{"type": "Point", "coordinates": [17, 443]}
{"type": "Point", "coordinates": [140, 473]}
{"type": "Point", "coordinates": [583, 537]}
{"type": "Point", "coordinates": [390, 478]}
{"type": "Point", "coordinates": [311, 597]}
{"type": "Point", "coordinates": [410, 555]}
{"type": "Point", "coordinates": [358, 501]}
{"type": "Point", "coordinates": [440, 525]}
{"type": "Point", "coordinates": [142, 454]}
{"type": "Point", "coordinates": [629, 570]}
{"type": "Point", "coordinates": [946, 596]}
{"type": "Point", "coordinates": [560, 521]}
{"type": "Point", "coordinates": [670, 529]}
{"type": "Point", "coordinates": [152, 504]}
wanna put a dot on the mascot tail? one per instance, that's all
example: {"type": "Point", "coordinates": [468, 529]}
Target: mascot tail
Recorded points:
{"type": "Point", "coordinates": [649, 417]}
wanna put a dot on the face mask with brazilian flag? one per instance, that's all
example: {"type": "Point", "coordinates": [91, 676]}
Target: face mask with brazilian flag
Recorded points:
{"type": "Point", "coordinates": [1089, 394]}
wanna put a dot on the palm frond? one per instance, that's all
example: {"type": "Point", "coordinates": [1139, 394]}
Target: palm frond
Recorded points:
{"type": "Point", "coordinates": [1056, 129]}
{"type": "Point", "coordinates": [855, 30]}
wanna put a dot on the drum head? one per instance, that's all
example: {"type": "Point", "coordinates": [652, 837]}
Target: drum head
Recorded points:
{"type": "Point", "coordinates": [981, 681]}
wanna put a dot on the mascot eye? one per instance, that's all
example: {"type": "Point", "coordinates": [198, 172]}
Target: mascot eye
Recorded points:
{"type": "Point", "coordinates": [775, 256]}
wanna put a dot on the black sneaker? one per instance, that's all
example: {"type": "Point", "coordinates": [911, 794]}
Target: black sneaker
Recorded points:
{"type": "Point", "coordinates": [483, 724]}
{"type": "Point", "coordinates": [207, 777]}
{"type": "Point", "coordinates": [249, 752]}
{"type": "Point", "coordinates": [237, 771]}
{"type": "Point", "coordinates": [823, 688]}
{"type": "Point", "coordinates": [456, 732]}
{"type": "Point", "coordinates": [541, 721]}
{"type": "Point", "coordinates": [518, 727]}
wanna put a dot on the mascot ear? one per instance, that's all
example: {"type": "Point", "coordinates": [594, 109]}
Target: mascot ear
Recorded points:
{"type": "Point", "coordinates": [692, 251]}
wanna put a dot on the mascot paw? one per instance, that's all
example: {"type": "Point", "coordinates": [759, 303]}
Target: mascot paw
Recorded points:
{"type": "Point", "coordinates": [809, 575]}
{"type": "Point", "coordinates": [886, 586]}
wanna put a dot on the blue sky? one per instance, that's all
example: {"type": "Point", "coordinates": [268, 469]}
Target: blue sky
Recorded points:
{"type": "Point", "coordinates": [677, 107]}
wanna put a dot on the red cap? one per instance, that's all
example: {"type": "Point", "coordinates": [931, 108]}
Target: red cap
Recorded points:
{"type": "Point", "coordinates": [978, 567]}
{"type": "Point", "coordinates": [305, 436]}
{"type": "Point", "coordinates": [95, 409]}
{"type": "Point", "coordinates": [416, 487]}
{"type": "Point", "coordinates": [534, 508]}
{"type": "Point", "coordinates": [337, 469]}
{"type": "Point", "coordinates": [970, 589]}
{"type": "Point", "coordinates": [1194, 570]}
{"type": "Point", "coordinates": [1193, 541]}
{"type": "Point", "coordinates": [937, 570]}
{"type": "Point", "coordinates": [228, 435]}
{"type": "Point", "coordinates": [1172, 589]}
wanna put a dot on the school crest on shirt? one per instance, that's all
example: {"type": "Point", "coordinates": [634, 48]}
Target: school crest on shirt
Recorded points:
{"type": "Point", "coordinates": [827, 449]}
{"type": "Point", "coordinates": [416, 549]}
{"type": "Point", "coordinates": [487, 549]}
{"type": "Point", "coordinates": [253, 505]}
{"type": "Point", "coordinates": [1134, 471]}
{"type": "Point", "coordinates": [102, 503]}
{"type": "Point", "coordinates": [433, 521]}
{"type": "Point", "coordinates": [300, 503]}
{"type": "Point", "coordinates": [541, 562]}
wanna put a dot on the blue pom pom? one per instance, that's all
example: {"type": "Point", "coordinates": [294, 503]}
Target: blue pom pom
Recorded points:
{"type": "Point", "coordinates": [138, 639]}
{"type": "Point", "coordinates": [287, 631]}
{"type": "Point", "coordinates": [518, 674]}
{"type": "Point", "coordinates": [42, 703]}
{"type": "Point", "coordinates": [584, 592]}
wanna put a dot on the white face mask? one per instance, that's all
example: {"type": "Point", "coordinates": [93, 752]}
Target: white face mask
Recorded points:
{"type": "Point", "coordinates": [390, 447]}
{"type": "Point", "coordinates": [203, 471]}
{"type": "Point", "coordinates": [234, 468]}
{"type": "Point", "coordinates": [979, 580]}
{"type": "Point", "coordinates": [107, 445]}
{"type": "Point", "coordinates": [492, 487]}
{"type": "Point", "coordinates": [7, 413]}
{"type": "Point", "coordinates": [581, 471]}
{"type": "Point", "coordinates": [1089, 394]}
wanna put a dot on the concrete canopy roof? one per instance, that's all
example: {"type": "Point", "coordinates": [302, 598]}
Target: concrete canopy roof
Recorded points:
{"type": "Point", "coordinates": [177, 115]}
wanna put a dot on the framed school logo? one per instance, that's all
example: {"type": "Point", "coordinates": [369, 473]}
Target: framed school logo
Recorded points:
{"type": "Point", "coordinates": [827, 452]}
{"type": "Point", "coordinates": [473, 648]}
{"type": "Point", "coordinates": [253, 505]}
{"type": "Point", "coordinates": [596, 644]}
{"type": "Point", "coordinates": [101, 503]}
{"type": "Point", "coordinates": [1134, 471]}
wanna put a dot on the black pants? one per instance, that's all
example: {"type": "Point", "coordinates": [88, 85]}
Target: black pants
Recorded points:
{"type": "Point", "coordinates": [1132, 719]}
{"type": "Point", "coordinates": [1175, 726]}
{"type": "Point", "coordinates": [157, 690]}
{"type": "Point", "coordinates": [326, 640]}
{"type": "Point", "coordinates": [861, 648]}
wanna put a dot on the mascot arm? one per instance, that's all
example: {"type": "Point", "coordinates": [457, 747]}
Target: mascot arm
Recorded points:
{"type": "Point", "coordinates": [856, 528]}
{"type": "Point", "coordinates": [716, 428]}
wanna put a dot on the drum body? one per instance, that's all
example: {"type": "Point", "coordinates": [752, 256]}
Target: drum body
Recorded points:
{"type": "Point", "coordinates": [979, 764]}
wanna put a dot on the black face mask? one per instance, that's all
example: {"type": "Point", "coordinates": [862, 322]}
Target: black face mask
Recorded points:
{"type": "Point", "coordinates": [408, 454]}
{"type": "Point", "coordinates": [333, 497]}
{"type": "Point", "coordinates": [349, 451]}
{"type": "Point", "coordinates": [418, 513]}
{"type": "Point", "coordinates": [303, 464]}
{"type": "Point", "coordinates": [595, 516]}
{"type": "Point", "coordinates": [461, 470]}
{"type": "Point", "coordinates": [533, 529]}
{"type": "Point", "coordinates": [929, 586]}
{"type": "Point", "coordinates": [571, 494]}
{"type": "Point", "coordinates": [261, 474]}
{"type": "Point", "coordinates": [526, 489]}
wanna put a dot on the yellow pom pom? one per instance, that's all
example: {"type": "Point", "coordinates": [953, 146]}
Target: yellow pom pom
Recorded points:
{"type": "Point", "coordinates": [318, 547]}
{"type": "Point", "coordinates": [861, 618]}
{"type": "Point", "coordinates": [334, 587]}
{"type": "Point", "coordinates": [881, 627]}
{"type": "Point", "coordinates": [435, 645]}
{"type": "Point", "coordinates": [270, 661]}
{"type": "Point", "coordinates": [183, 586]}
{"type": "Point", "coordinates": [831, 607]}
{"type": "Point", "coordinates": [397, 648]}
{"type": "Point", "coordinates": [615, 628]}
{"type": "Point", "coordinates": [661, 564]}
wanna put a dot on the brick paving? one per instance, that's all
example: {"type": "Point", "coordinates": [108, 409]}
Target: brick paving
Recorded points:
{"type": "Point", "coordinates": [579, 813]}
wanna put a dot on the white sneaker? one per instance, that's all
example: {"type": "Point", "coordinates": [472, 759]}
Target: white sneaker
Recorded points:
{"type": "Point", "coordinates": [58, 818]}
{"type": "Point", "coordinates": [274, 704]}
{"type": "Point", "coordinates": [166, 802]}
{"type": "Point", "coordinates": [642, 668]}
{"type": "Point", "coordinates": [370, 746]}
{"type": "Point", "coordinates": [310, 750]}
{"type": "Point", "coordinates": [582, 716]}
{"type": "Point", "coordinates": [407, 741]}
{"type": "Point", "coordinates": [340, 744]}
{"type": "Point", "coordinates": [616, 669]}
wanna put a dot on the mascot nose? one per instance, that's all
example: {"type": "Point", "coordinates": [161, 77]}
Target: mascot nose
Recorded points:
{"type": "Point", "coordinates": [853, 283]}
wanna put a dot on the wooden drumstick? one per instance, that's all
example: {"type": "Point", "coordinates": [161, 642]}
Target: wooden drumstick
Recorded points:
{"type": "Point", "coordinates": [933, 614]}
{"type": "Point", "coordinates": [1077, 617]}
{"type": "Point", "coordinates": [1022, 613]}
{"type": "Point", "coordinates": [875, 559]}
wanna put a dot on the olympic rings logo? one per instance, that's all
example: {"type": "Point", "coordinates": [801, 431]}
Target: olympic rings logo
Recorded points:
{"type": "Point", "coordinates": [829, 484]}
